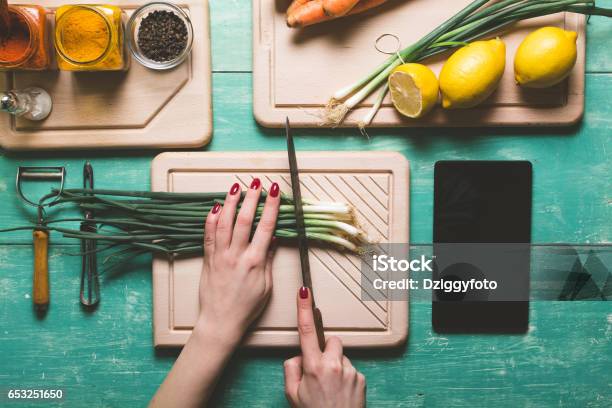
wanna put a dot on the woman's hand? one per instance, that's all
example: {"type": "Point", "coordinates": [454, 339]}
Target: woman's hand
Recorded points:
{"type": "Point", "coordinates": [316, 378]}
{"type": "Point", "coordinates": [234, 289]}
{"type": "Point", "coordinates": [237, 278]}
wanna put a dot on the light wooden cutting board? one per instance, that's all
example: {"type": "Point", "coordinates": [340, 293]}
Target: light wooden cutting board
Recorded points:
{"type": "Point", "coordinates": [296, 71]}
{"type": "Point", "coordinates": [376, 183]}
{"type": "Point", "coordinates": [137, 108]}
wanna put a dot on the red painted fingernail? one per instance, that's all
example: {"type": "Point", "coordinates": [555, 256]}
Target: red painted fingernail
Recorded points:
{"type": "Point", "coordinates": [255, 184]}
{"type": "Point", "coordinates": [216, 208]}
{"type": "Point", "coordinates": [235, 188]}
{"type": "Point", "coordinates": [303, 292]}
{"type": "Point", "coordinates": [274, 190]}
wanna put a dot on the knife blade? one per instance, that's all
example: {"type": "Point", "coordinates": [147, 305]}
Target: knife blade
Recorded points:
{"type": "Point", "coordinates": [301, 232]}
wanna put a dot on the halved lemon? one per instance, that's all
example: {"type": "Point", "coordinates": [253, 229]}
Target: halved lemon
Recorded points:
{"type": "Point", "coordinates": [414, 89]}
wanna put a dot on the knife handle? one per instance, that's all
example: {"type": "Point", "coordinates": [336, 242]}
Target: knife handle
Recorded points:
{"type": "Point", "coordinates": [318, 321]}
{"type": "Point", "coordinates": [40, 283]}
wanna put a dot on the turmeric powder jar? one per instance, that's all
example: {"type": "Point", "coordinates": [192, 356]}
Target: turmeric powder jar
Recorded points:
{"type": "Point", "coordinates": [90, 38]}
{"type": "Point", "coordinates": [26, 47]}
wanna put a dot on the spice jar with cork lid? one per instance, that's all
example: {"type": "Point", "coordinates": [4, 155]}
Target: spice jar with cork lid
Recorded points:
{"type": "Point", "coordinates": [90, 38]}
{"type": "Point", "coordinates": [26, 47]}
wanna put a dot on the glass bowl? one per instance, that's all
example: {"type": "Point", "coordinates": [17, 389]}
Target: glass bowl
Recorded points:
{"type": "Point", "coordinates": [133, 28]}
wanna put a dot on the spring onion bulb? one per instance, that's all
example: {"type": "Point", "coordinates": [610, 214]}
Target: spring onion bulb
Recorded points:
{"type": "Point", "coordinates": [319, 209]}
{"type": "Point", "coordinates": [370, 116]}
{"type": "Point", "coordinates": [480, 18]}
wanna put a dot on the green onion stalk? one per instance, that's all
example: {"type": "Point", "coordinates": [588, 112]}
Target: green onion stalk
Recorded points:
{"type": "Point", "coordinates": [479, 19]}
{"type": "Point", "coordinates": [173, 223]}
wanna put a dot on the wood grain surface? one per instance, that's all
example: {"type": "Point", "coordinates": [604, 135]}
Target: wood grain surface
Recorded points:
{"type": "Point", "coordinates": [296, 71]}
{"type": "Point", "coordinates": [137, 108]}
{"type": "Point", "coordinates": [107, 359]}
{"type": "Point", "coordinates": [376, 185]}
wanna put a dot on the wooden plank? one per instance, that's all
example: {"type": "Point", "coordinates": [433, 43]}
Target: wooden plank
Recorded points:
{"type": "Point", "coordinates": [137, 108]}
{"type": "Point", "coordinates": [230, 26]}
{"type": "Point", "coordinates": [563, 211]}
{"type": "Point", "coordinates": [598, 34]}
{"type": "Point", "coordinates": [106, 358]}
{"type": "Point", "coordinates": [357, 321]}
{"type": "Point", "coordinates": [297, 71]}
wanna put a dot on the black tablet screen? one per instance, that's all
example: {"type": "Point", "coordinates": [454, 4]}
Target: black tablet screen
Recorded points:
{"type": "Point", "coordinates": [482, 202]}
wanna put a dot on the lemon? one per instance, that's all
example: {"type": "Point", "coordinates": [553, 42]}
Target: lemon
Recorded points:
{"type": "Point", "coordinates": [414, 89]}
{"type": "Point", "coordinates": [545, 57]}
{"type": "Point", "coordinates": [472, 73]}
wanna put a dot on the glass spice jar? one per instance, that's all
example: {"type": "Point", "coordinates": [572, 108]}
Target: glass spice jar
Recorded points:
{"type": "Point", "coordinates": [90, 38]}
{"type": "Point", "coordinates": [27, 47]}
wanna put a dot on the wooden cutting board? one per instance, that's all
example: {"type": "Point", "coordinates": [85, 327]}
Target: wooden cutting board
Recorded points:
{"type": "Point", "coordinates": [376, 183]}
{"type": "Point", "coordinates": [137, 108]}
{"type": "Point", "coordinates": [297, 70]}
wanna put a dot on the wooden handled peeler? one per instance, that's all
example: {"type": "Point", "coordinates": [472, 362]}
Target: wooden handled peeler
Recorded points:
{"type": "Point", "coordinates": [40, 236]}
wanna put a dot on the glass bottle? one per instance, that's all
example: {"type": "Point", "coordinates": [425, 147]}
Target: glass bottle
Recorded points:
{"type": "Point", "coordinates": [30, 103]}
{"type": "Point", "coordinates": [27, 47]}
{"type": "Point", "coordinates": [90, 38]}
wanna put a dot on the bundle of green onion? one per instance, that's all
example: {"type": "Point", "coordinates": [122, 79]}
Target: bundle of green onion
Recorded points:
{"type": "Point", "coordinates": [172, 223]}
{"type": "Point", "coordinates": [480, 18]}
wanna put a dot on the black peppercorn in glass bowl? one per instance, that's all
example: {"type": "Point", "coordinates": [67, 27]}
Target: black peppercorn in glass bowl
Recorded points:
{"type": "Point", "coordinates": [160, 35]}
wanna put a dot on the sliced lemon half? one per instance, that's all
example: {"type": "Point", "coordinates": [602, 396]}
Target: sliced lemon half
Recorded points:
{"type": "Point", "coordinates": [414, 89]}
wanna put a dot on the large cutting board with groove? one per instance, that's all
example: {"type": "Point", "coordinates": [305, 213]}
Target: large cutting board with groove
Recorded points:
{"type": "Point", "coordinates": [376, 183]}
{"type": "Point", "coordinates": [137, 108]}
{"type": "Point", "coordinates": [296, 71]}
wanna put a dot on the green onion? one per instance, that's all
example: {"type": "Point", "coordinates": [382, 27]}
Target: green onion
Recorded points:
{"type": "Point", "coordinates": [135, 222]}
{"type": "Point", "coordinates": [478, 19]}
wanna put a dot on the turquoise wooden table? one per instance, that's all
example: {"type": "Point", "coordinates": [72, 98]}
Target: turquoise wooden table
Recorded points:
{"type": "Point", "coordinates": [106, 358]}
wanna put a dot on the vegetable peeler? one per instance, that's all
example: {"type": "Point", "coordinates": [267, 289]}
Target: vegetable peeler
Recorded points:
{"type": "Point", "coordinates": [40, 283]}
{"type": "Point", "coordinates": [89, 293]}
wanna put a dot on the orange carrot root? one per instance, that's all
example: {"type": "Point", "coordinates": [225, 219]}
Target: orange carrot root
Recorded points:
{"type": "Point", "coordinates": [294, 5]}
{"type": "Point", "coordinates": [338, 8]}
{"type": "Point", "coordinates": [307, 14]}
{"type": "Point", "coordinates": [311, 12]}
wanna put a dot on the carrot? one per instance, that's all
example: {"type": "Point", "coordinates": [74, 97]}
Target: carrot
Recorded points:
{"type": "Point", "coordinates": [295, 4]}
{"type": "Point", "coordinates": [313, 12]}
{"type": "Point", "coordinates": [307, 14]}
{"type": "Point", "coordinates": [338, 8]}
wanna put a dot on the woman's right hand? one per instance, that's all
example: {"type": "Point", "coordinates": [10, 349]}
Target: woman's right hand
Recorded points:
{"type": "Point", "coordinates": [320, 378]}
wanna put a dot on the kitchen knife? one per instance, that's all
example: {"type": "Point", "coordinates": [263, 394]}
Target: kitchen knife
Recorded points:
{"type": "Point", "coordinates": [301, 232]}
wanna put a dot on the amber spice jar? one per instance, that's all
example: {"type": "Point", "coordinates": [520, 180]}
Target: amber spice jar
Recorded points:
{"type": "Point", "coordinates": [90, 38]}
{"type": "Point", "coordinates": [27, 47]}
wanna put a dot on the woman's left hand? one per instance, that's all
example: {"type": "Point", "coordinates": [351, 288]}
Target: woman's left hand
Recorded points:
{"type": "Point", "coordinates": [237, 278]}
